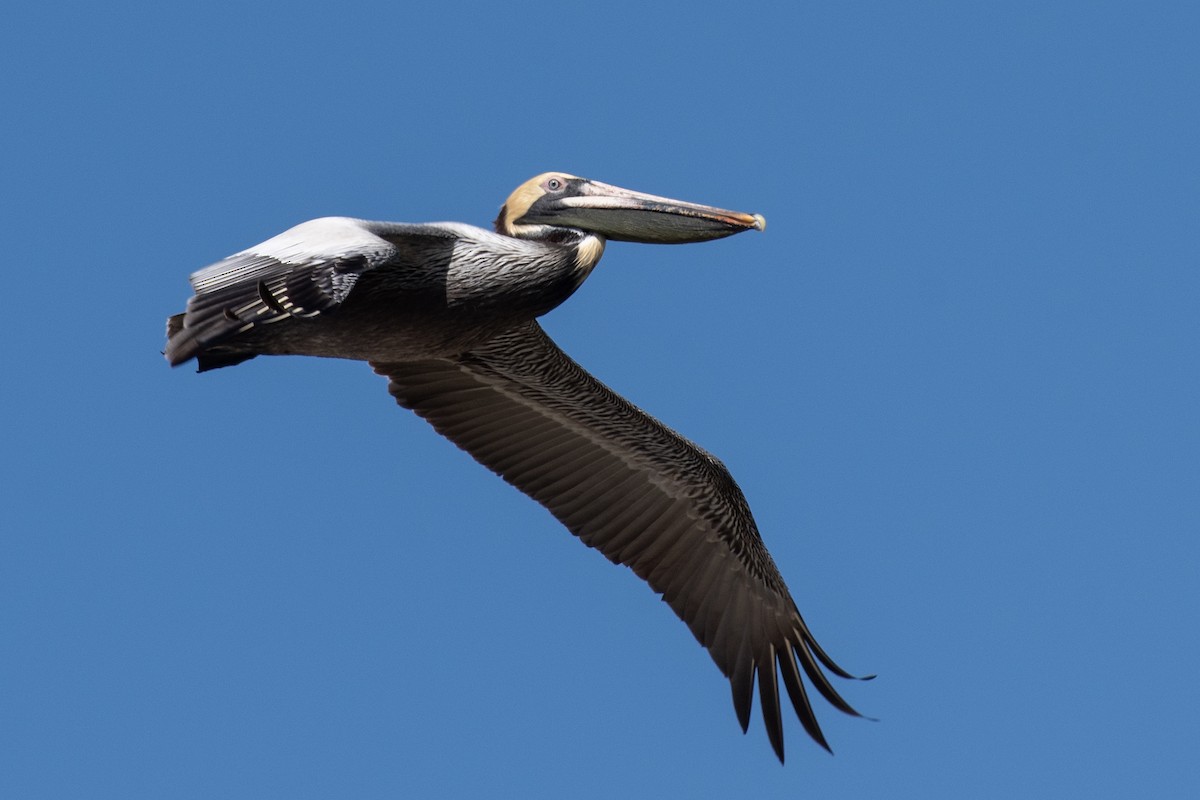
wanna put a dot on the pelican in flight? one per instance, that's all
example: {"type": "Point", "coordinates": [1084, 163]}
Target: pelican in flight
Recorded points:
{"type": "Point", "coordinates": [448, 313]}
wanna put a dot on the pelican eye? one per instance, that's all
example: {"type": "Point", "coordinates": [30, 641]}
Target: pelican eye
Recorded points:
{"type": "Point", "coordinates": [555, 184]}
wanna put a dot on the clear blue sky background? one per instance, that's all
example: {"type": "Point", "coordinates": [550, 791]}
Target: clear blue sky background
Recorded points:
{"type": "Point", "coordinates": [957, 378]}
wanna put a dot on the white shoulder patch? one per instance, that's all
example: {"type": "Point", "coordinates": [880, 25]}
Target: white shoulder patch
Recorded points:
{"type": "Point", "coordinates": [321, 239]}
{"type": "Point", "coordinates": [317, 241]}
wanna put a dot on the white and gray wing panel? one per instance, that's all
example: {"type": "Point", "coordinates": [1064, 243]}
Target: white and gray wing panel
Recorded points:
{"type": "Point", "coordinates": [302, 273]}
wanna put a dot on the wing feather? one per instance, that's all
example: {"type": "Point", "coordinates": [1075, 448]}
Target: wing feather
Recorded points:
{"type": "Point", "coordinates": [639, 493]}
{"type": "Point", "coordinates": [302, 273]}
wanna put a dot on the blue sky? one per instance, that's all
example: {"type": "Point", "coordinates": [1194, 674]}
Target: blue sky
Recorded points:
{"type": "Point", "coordinates": [957, 378]}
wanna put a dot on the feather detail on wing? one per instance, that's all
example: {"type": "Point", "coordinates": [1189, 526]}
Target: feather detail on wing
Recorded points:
{"type": "Point", "coordinates": [639, 493]}
{"type": "Point", "coordinates": [302, 273]}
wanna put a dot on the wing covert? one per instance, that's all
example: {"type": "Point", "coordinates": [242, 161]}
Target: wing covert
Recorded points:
{"type": "Point", "coordinates": [302, 273]}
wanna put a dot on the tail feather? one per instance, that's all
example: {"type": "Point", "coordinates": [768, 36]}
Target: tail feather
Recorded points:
{"type": "Point", "coordinates": [184, 343]}
{"type": "Point", "coordinates": [181, 345]}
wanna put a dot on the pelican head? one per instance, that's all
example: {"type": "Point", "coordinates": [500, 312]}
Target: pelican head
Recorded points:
{"type": "Point", "coordinates": [541, 207]}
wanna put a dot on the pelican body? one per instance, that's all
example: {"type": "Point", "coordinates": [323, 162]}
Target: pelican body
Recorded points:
{"type": "Point", "coordinates": [448, 313]}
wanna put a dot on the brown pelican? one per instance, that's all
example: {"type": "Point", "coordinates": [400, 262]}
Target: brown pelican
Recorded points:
{"type": "Point", "coordinates": [447, 312]}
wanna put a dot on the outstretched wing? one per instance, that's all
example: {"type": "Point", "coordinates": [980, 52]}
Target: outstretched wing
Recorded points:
{"type": "Point", "coordinates": [639, 493]}
{"type": "Point", "coordinates": [303, 272]}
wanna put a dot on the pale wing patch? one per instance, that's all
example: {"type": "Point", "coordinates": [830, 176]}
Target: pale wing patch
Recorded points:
{"type": "Point", "coordinates": [316, 241]}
